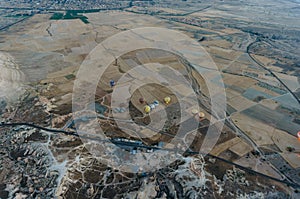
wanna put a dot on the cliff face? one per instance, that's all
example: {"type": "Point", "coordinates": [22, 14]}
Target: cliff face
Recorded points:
{"type": "Point", "coordinates": [12, 80]}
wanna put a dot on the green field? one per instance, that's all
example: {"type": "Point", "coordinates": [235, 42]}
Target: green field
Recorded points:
{"type": "Point", "coordinates": [70, 14]}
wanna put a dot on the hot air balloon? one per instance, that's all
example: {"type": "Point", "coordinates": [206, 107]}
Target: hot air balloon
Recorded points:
{"type": "Point", "coordinates": [147, 109]}
{"type": "Point", "coordinates": [152, 106]}
{"type": "Point", "coordinates": [195, 111]}
{"type": "Point", "coordinates": [167, 100]}
{"type": "Point", "coordinates": [156, 103]}
{"type": "Point", "coordinates": [201, 115]}
{"type": "Point", "coordinates": [112, 83]}
{"type": "Point", "coordinates": [142, 100]}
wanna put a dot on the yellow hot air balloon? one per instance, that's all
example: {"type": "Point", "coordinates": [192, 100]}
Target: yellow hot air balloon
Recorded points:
{"type": "Point", "coordinates": [147, 109]}
{"type": "Point", "coordinates": [201, 115]}
{"type": "Point", "coordinates": [167, 100]}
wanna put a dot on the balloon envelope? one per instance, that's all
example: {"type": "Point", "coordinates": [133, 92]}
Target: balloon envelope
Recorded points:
{"type": "Point", "coordinates": [201, 114]}
{"type": "Point", "coordinates": [142, 100]}
{"type": "Point", "coordinates": [167, 100]}
{"type": "Point", "coordinates": [147, 109]}
{"type": "Point", "coordinates": [195, 111]}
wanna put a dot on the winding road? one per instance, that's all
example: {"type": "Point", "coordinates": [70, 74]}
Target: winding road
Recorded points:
{"type": "Point", "coordinates": [270, 71]}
